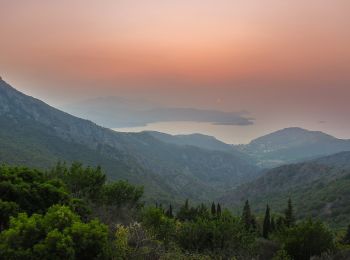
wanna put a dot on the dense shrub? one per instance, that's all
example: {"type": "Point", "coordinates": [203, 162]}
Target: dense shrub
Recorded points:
{"type": "Point", "coordinates": [59, 234]}
{"type": "Point", "coordinates": [308, 238]}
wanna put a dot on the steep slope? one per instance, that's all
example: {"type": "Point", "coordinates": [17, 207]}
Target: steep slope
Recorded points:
{"type": "Point", "coordinates": [319, 188]}
{"type": "Point", "coordinates": [339, 160]}
{"type": "Point", "coordinates": [293, 145]}
{"type": "Point", "coordinates": [36, 134]}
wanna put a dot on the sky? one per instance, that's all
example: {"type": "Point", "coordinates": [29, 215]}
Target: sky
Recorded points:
{"type": "Point", "coordinates": [286, 63]}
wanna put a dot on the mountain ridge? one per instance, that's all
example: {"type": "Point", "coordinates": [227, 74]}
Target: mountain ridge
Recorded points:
{"type": "Point", "coordinates": [318, 188]}
{"type": "Point", "coordinates": [291, 145]}
{"type": "Point", "coordinates": [179, 172]}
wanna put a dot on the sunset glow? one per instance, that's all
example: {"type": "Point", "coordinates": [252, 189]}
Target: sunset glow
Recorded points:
{"type": "Point", "coordinates": [261, 56]}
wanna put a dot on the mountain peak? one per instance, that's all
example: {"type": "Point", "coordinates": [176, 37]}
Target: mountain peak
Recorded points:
{"type": "Point", "coordinates": [293, 144]}
{"type": "Point", "coordinates": [293, 135]}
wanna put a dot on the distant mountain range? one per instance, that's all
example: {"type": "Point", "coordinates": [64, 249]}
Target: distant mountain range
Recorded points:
{"type": "Point", "coordinates": [292, 145]}
{"type": "Point", "coordinates": [175, 167]}
{"type": "Point", "coordinates": [198, 140]}
{"type": "Point", "coordinates": [319, 188]}
{"type": "Point", "coordinates": [35, 134]}
{"type": "Point", "coordinates": [116, 112]}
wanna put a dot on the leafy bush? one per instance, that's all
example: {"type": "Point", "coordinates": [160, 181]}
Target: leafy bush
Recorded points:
{"type": "Point", "coordinates": [59, 234]}
{"type": "Point", "coordinates": [308, 238]}
{"type": "Point", "coordinates": [223, 236]}
{"type": "Point", "coordinates": [159, 225]}
{"type": "Point", "coordinates": [30, 189]}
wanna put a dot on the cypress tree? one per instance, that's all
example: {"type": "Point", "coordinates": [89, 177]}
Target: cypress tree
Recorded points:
{"type": "Point", "coordinates": [169, 212]}
{"type": "Point", "coordinates": [186, 204]}
{"type": "Point", "coordinates": [267, 223]}
{"type": "Point", "coordinates": [213, 209]}
{"type": "Point", "coordinates": [247, 216]}
{"type": "Point", "coordinates": [218, 209]}
{"type": "Point", "coordinates": [347, 236]}
{"type": "Point", "coordinates": [289, 214]}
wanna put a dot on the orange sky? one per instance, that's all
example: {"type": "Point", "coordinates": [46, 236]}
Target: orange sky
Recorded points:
{"type": "Point", "coordinates": [255, 55]}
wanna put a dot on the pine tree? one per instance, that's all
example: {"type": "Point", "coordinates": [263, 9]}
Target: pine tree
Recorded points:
{"type": "Point", "coordinates": [347, 236]}
{"type": "Point", "coordinates": [267, 223]}
{"type": "Point", "coordinates": [289, 214]}
{"type": "Point", "coordinates": [247, 216]}
{"type": "Point", "coordinates": [169, 212]}
{"type": "Point", "coordinates": [186, 204]}
{"type": "Point", "coordinates": [218, 210]}
{"type": "Point", "coordinates": [213, 209]}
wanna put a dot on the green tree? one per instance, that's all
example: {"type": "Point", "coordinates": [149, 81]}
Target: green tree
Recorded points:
{"type": "Point", "coordinates": [169, 212]}
{"type": "Point", "coordinates": [308, 238]}
{"type": "Point", "coordinates": [202, 212]}
{"type": "Point", "coordinates": [248, 218]}
{"type": "Point", "coordinates": [30, 189]}
{"type": "Point", "coordinates": [223, 237]}
{"type": "Point", "coordinates": [58, 234]}
{"type": "Point", "coordinates": [121, 193]}
{"type": "Point", "coordinates": [289, 214]}
{"type": "Point", "coordinates": [82, 182]}
{"type": "Point", "coordinates": [159, 225]}
{"type": "Point", "coordinates": [267, 223]}
{"type": "Point", "coordinates": [189, 213]}
{"type": "Point", "coordinates": [56, 245]}
{"type": "Point", "coordinates": [7, 209]}
{"type": "Point", "coordinates": [218, 210]}
{"type": "Point", "coordinates": [90, 240]}
{"type": "Point", "coordinates": [346, 239]}
{"type": "Point", "coordinates": [213, 209]}
{"type": "Point", "coordinates": [280, 223]}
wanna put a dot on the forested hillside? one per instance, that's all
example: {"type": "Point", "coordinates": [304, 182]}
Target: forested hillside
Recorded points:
{"type": "Point", "coordinates": [320, 188]}
{"type": "Point", "coordinates": [72, 212]}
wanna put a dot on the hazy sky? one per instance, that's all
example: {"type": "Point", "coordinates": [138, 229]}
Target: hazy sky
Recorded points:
{"type": "Point", "coordinates": [285, 62]}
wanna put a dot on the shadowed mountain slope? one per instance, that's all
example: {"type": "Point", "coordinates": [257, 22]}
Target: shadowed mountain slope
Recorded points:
{"type": "Point", "coordinates": [36, 134]}
{"type": "Point", "coordinates": [318, 188]}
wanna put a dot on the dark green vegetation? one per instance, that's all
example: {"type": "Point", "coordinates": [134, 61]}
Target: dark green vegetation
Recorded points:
{"type": "Point", "coordinates": [51, 215]}
{"type": "Point", "coordinates": [292, 145]}
{"type": "Point", "coordinates": [320, 188]}
{"type": "Point", "coordinates": [75, 212]}
{"type": "Point", "coordinates": [71, 212]}
{"type": "Point", "coordinates": [34, 134]}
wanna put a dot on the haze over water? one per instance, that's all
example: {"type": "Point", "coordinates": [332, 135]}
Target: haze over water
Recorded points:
{"type": "Point", "coordinates": [226, 133]}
